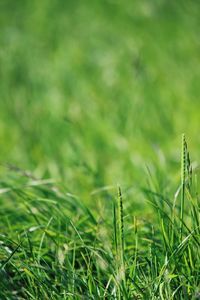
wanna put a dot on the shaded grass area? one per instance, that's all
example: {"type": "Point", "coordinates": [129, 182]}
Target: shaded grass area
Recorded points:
{"type": "Point", "coordinates": [95, 94]}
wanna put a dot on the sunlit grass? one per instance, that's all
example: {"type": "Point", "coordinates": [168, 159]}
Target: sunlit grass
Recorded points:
{"type": "Point", "coordinates": [95, 95]}
{"type": "Point", "coordinates": [56, 247]}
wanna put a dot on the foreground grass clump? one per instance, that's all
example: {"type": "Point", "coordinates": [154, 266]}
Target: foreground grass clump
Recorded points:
{"type": "Point", "coordinates": [55, 247]}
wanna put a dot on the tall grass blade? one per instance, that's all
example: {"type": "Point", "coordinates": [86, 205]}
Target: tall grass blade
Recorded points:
{"type": "Point", "coordinates": [121, 274]}
{"type": "Point", "coordinates": [183, 177]}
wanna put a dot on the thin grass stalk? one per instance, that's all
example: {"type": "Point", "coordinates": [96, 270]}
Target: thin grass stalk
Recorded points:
{"type": "Point", "coordinates": [183, 179]}
{"type": "Point", "coordinates": [121, 238]}
{"type": "Point", "coordinates": [115, 229]}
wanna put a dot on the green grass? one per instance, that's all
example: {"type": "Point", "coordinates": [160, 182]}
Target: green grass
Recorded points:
{"type": "Point", "coordinates": [54, 247]}
{"type": "Point", "coordinates": [95, 95]}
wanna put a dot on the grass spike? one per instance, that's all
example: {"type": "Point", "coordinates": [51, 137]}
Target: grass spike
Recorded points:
{"type": "Point", "coordinates": [183, 179]}
{"type": "Point", "coordinates": [121, 239]}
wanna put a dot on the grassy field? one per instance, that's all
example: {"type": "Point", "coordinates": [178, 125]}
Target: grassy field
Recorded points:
{"type": "Point", "coordinates": [99, 196]}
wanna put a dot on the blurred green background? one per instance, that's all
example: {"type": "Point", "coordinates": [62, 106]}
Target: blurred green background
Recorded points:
{"type": "Point", "coordinates": [93, 91]}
